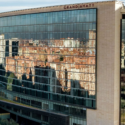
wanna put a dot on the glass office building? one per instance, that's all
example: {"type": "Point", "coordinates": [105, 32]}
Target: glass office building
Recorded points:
{"type": "Point", "coordinates": [122, 107]}
{"type": "Point", "coordinates": [64, 65]}
{"type": "Point", "coordinates": [52, 57]}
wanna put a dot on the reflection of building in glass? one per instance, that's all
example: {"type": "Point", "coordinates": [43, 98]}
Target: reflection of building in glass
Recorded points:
{"type": "Point", "coordinates": [2, 48]}
{"type": "Point", "coordinates": [8, 48]}
{"type": "Point", "coordinates": [58, 68]}
{"type": "Point", "coordinates": [58, 59]}
{"type": "Point", "coordinates": [61, 64]}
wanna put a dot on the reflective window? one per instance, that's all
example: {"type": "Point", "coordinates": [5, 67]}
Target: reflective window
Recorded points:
{"type": "Point", "coordinates": [123, 73]}
{"type": "Point", "coordinates": [50, 56]}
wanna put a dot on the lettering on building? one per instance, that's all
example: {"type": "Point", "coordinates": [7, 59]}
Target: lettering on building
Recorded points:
{"type": "Point", "coordinates": [78, 6]}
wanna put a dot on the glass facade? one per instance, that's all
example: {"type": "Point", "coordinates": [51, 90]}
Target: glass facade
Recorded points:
{"type": "Point", "coordinates": [48, 60]}
{"type": "Point", "coordinates": [123, 72]}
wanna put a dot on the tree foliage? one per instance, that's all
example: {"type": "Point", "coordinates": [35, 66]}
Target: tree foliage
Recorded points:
{"type": "Point", "coordinates": [10, 78]}
{"type": "Point", "coordinates": [8, 122]}
{"type": "Point", "coordinates": [122, 103]}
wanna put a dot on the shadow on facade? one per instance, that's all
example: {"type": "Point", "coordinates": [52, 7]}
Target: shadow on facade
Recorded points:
{"type": "Point", "coordinates": [45, 85]}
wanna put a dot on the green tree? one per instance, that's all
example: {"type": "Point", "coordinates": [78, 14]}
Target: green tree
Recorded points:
{"type": "Point", "coordinates": [61, 58]}
{"type": "Point", "coordinates": [122, 104]}
{"type": "Point", "coordinates": [10, 81]}
{"type": "Point", "coordinates": [6, 122]}
{"type": "Point", "coordinates": [10, 78]}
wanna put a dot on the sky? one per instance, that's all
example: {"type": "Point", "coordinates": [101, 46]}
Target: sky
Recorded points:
{"type": "Point", "coordinates": [10, 5]}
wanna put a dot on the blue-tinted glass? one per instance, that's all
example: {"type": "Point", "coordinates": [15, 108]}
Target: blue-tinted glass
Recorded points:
{"type": "Point", "coordinates": [50, 18]}
{"type": "Point", "coordinates": [17, 20]}
{"type": "Point", "coordinates": [33, 19]}
{"type": "Point", "coordinates": [87, 26]}
{"type": "Point", "coordinates": [0, 21]}
{"type": "Point", "coordinates": [13, 20]}
{"type": "Point", "coordinates": [94, 26]}
{"type": "Point", "coordinates": [59, 42]}
{"type": "Point", "coordinates": [28, 20]}
{"type": "Point", "coordinates": [91, 17]}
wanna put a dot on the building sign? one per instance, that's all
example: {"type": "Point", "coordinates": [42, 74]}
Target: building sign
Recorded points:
{"type": "Point", "coordinates": [78, 6]}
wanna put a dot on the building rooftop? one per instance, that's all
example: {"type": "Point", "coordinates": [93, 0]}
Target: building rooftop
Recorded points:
{"type": "Point", "coordinates": [52, 8]}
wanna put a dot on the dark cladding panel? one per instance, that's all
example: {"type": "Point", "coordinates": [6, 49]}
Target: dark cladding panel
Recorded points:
{"type": "Point", "coordinates": [43, 116]}
{"type": "Point", "coordinates": [58, 120]}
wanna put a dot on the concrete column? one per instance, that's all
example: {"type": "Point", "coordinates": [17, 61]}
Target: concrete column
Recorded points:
{"type": "Point", "coordinates": [108, 65]}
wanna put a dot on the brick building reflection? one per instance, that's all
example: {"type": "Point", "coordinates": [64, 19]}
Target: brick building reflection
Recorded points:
{"type": "Point", "coordinates": [74, 65]}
